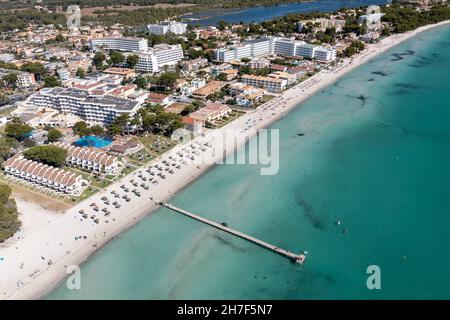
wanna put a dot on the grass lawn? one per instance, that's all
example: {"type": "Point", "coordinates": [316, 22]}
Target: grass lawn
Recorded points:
{"type": "Point", "coordinates": [231, 117]}
{"type": "Point", "coordinates": [157, 144]}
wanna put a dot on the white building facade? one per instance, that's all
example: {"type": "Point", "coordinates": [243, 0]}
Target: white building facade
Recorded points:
{"type": "Point", "coordinates": [101, 109]}
{"type": "Point", "coordinates": [163, 28]}
{"type": "Point", "coordinates": [159, 56]}
{"type": "Point", "coordinates": [119, 44]}
{"type": "Point", "coordinates": [280, 46]}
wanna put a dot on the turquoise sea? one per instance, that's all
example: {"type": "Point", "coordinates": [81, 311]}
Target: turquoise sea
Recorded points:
{"type": "Point", "coordinates": [376, 156]}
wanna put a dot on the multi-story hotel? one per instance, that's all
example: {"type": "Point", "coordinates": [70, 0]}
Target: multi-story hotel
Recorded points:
{"type": "Point", "coordinates": [88, 106]}
{"type": "Point", "coordinates": [119, 44]}
{"type": "Point", "coordinates": [248, 49]}
{"type": "Point", "coordinates": [159, 56]}
{"type": "Point", "coordinates": [268, 83]}
{"type": "Point", "coordinates": [90, 159]}
{"type": "Point", "coordinates": [280, 46]}
{"type": "Point", "coordinates": [163, 28]}
{"type": "Point", "coordinates": [43, 175]}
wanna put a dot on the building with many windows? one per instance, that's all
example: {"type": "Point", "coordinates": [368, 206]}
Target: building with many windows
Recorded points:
{"type": "Point", "coordinates": [268, 83]}
{"type": "Point", "coordinates": [90, 159]}
{"type": "Point", "coordinates": [280, 46]}
{"type": "Point", "coordinates": [88, 106]}
{"type": "Point", "coordinates": [163, 28]}
{"type": "Point", "coordinates": [43, 175]}
{"type": "Point", "coordinates": [159, 56]}
{"type": "Point", "coordinates": [119, 44]}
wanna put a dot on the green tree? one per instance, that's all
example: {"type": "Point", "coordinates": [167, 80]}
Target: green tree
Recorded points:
{"type": "Point", "coordinates": [168, 79]}
{"type": "Point", "coordinates": [79, 126]}
{"type": "Point", "coordinates": [98, 59]}
{"type": "Point", "coordinates": [54, 135]}
{"type": "Point", "coordinates": [141, 82]}
{"type": "Point", "coordinates": [51, 81]}
{"type": "Point", "coordinates": [18, 130]}
{"type": "Point", "coordinates": [81, 73]}
{"type": "Point", "coordinates": [116, 58]}
{"type": "Point", "coordinates": [9, 218]}
{"type": "Point", "coordinates": [35, 68]}
{"type": "Point", "coordinates": [132, 60]}
{"type": "Point", "coordinates": [7, 146]}
{"type": "Point", "coordinates": [97, 130]}
{"type": "Point", "coordinates": [49, 154]}
{"type": "Point", "coordinates": [10, 79]}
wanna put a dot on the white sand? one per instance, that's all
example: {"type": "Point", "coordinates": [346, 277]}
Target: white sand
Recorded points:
{"type": "Point", "coordinates": [26, 271]}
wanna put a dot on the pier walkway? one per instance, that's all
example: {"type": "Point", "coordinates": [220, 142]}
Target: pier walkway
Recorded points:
{"type": "Point", "coordinates": [298, 258]}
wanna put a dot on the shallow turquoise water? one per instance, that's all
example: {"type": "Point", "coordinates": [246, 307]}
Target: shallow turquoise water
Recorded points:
{"type": "Point", "coordinates": [375, 156]}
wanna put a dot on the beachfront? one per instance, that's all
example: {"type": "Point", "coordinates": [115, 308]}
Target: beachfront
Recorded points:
{"type": "Point", "coordinates": [32, 265]}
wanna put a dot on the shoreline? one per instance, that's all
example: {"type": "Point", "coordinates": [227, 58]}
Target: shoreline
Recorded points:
{"type": "Point", "coordinates": [26, 271]}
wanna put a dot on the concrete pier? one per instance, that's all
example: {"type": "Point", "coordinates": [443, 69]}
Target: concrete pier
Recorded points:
{"type": "Point", "coordinates": [298, 258]}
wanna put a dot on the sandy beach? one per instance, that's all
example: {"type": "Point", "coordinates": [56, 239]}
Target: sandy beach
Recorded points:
{"type": "Point", "coordinates": [35, 260]}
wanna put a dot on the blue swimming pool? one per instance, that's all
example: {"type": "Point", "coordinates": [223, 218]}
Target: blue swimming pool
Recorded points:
{"type": "Point", "coordinates": [93, 141]}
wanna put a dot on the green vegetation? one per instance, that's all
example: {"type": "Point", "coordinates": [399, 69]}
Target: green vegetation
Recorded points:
{"type": "Point", "coordinates": [51, 81]}
{"type": "Point", "coordinates": [17, 130]}
{"type": "Point", "coordinates": [98, 59]}
{"type": "Point", "coordinates": [54, 135]}
{"type": "Point", "coordinates": [405, 18]}
{"type": "Point", "coordinates": [49, 154]}
{"type": "Point", "coordinates": [116, 58]}
{"type": "Point", "coordinates": [35, 68]}
{"type": "Point", "coordinates": [9, 221]}
{"type": "Point", "coordinates": [132, 60]}
{"type": "Point", "coordinates": [7, 147]}
{"type": "Point", "coordinates": [81, 73]}
{"type": "Point", "coordinates": [355, 47]}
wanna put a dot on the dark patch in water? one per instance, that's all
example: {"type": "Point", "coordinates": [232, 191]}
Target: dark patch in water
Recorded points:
{"type": "Point", "coordinates": [409, 86]}
{"type": "Point", "coordinates": [233, 246]}
{"type": "Point", "coordinates": [399, 56]}
{"type": "Point", "coordinates": [309, 213]}
{"type": "Point", "coordinates": [362, 98]}
{"type": "Point", "coordinates": [380, 73]}
{"type": "Point", "coordinates": [371, 79]}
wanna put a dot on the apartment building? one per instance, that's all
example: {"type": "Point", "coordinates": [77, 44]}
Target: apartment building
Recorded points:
{"type": "Point", "coordinates": [24, 79]}
{"type": "Point", "coordinates": [211, 112]}
{"type": "Point", "coordinates": [119, 44]}
{"type": "Point", "coordinates": [193, 65]}
{"type": "Point", "coordinates": [43, 175]}
{"type": "Point", "coordinates": [208, 89]}
{"type": "Point", "coordinates": [90, 159]}
{"type": "Point", "coordinates": [248, 49]}
{"type": "Point", "coordinates": [273, 45]}
{"type": "Point", "coordinates": [93, 108]}
{"type": "Point", "coordinates": [268, 83]}
{"type": "Point", "coordinates": [159, 56]}
{"type": "Point", "coordinates": [163, 28]}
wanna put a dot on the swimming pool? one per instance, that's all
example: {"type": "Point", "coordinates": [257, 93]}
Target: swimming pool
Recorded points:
{"type": "Point", "coordinates": [93, 141]}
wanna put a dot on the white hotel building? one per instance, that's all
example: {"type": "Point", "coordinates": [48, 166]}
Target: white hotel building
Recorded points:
{"type": "Point", "coordinates": [279, 46]}
{"type": "Point", "coordinates": [43, 175]}
{"type": "Point", "coordinates": [159, 56]}
{"type": "Point", "coordinates": [163, 28]}
{"type": "Point", "coordinates": [119, 44]}
{"type": "Point", "coordinates": [92, 108]}
{"type": "Point", "coordinates": [90, 159]}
